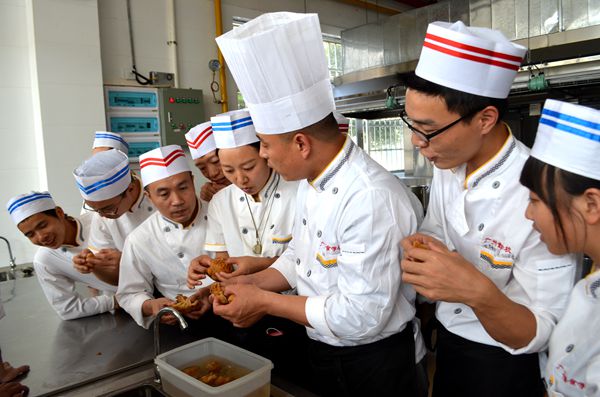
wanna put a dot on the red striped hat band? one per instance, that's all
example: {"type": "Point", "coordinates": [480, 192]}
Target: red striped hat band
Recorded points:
{"type": "Point", "coordinates": [471, 57]}
{"type": "Point", "coordinates": [162, 162]}
{"type": "Point", "coordinates": [195, 144]}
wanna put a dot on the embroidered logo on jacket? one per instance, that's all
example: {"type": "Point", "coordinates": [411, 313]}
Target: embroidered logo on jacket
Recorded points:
{"type": "Point", "coordinates": [327, 255]}
{"type": "Point", "coordinates": [497, 254]}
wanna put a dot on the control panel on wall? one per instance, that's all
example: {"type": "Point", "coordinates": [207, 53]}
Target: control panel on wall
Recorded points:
{"type": "Point", "coordinates": [180, 109]}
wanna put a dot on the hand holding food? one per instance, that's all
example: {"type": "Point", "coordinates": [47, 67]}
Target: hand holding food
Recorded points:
{"type": "Point", "coordinates": [185, 305]}
{"type": "Point", "coordinates": [218, 265]}
{"type": "Point", "coordinates": [216, 289]}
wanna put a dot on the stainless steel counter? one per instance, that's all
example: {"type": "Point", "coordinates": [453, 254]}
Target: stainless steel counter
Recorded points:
{"type": "Point", "coordinates": [65, 354]}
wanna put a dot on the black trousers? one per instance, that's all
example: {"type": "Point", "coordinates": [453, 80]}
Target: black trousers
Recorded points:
{"type": "Point", "coordinates": [382, 368]}
{"type": "Point", "coordinates": [465, 368]}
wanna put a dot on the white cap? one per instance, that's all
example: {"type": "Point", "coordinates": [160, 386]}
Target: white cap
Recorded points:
{"type": "Point", "coordinates": [200, 140]}
{"type": "Point", "coordinates": [278, 62]}
{"type": "Point", "coordinates": [478, 61]}
{"type": "Point", "coordinates": [343, 122]}
{"type": "Point", "coordinates": [568, 137]}
{"type": "Point", "coordinates": [233, 129]}
{"type": "Point", "coordinates": [110, 139]}
{"type": "Point", "coordinates": [23, 206]}
{"type": "Point", "coordinates": [103, 176]}
{"type": "Point", "coordinates": [161, 163]}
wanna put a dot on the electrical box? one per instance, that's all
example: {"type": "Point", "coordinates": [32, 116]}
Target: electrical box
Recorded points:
{"type": "Point", "coordinates": [151, 117]}
{"type": "Point", "coordinates": [180, 109]}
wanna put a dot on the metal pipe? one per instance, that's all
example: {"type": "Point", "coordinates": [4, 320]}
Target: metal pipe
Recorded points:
{"type": "Point", "coordinates": [222, 76]}
{"type": "Point", "coordinates": [182, 325]}
{"type": "Point", "coordinates": [172, 41]}
{"type": "Point", "coordinates": [11, 258]}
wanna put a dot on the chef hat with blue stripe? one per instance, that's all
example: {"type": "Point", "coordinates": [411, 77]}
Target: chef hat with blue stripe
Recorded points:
{"type": "Point", "coordinates": [568, 137]}
{"type": "Point", "coordinates": [200, 140]}
{"type": "Point", "coordinates": [233, 129]}
{"type": "Point", "coordinates": [103, 176]}
{"type": "Point", "coordinates": [110, 139]}
{"type": "Point", "coordinates": [23, 206]}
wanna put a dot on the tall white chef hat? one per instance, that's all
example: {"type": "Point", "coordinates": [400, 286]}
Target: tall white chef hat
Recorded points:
{"type": "Point", "coordinates": [161, 163]}
{"type": "Point", "coordinates": [278, 62]}
{"type": "Point", "coordinates": [200, 140]}
{"type": "Point", "coordinates": [568, 137]}
{"type": "Point", "coordinates": [343, 122]}
{"type": "Point", "coordinates": [233, 129]}
{"type": "Point", "coordinates": [103, 176]}
{"type": "Point", "coordinates": [23, 206]}
{"type": "Point", "coordinates": [478, 61]}
{"type": "Point", "coordinates": [110, 139]}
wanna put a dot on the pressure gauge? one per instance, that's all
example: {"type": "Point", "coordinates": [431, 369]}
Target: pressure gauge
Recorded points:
{"type": "Point", "coordinates": [214, 65]}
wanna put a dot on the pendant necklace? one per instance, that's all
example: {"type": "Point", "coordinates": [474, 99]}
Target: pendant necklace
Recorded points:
{"type": "Point", "coordinates": [257, 248]}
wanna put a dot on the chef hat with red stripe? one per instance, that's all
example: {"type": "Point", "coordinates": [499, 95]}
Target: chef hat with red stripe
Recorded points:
{"type": "Point", "coordinates": [478, 61]}
{"type": "Point", "coordinates": [200, 140]}
{"type": "Point", "coordinates": [161, 163]}
{"type": "Point", "coordinates": [343, 122]}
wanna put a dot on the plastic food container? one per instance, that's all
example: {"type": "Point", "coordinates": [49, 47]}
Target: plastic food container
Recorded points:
{"type": "Point", "coordinates": [176, 383]}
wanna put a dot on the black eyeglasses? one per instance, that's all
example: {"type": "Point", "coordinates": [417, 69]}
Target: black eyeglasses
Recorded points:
{"type": "Point", "coordinates": [428, 137]}
{"type": "Point", "coordinates": [107, 211]}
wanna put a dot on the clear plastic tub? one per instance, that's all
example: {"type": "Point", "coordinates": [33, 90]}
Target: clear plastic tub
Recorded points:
{"type": "Point", "coordinates": [176, 383]}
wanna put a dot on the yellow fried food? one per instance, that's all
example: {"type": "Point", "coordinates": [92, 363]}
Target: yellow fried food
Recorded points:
{"type": "Point", "coordinates": [218, 265]}
{"type": "Point", "coordinates": [216, 289]}
{"type": "Point", "coordinates": [184, 304]}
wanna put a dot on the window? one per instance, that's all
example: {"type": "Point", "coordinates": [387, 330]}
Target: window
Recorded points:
{"type": "Point", "coordinates": [333, 53]}
{"type": "Point", "coordinates": [382, 139]}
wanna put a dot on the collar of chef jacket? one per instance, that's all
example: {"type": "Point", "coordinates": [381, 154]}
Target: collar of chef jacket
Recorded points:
{"type": "Point", "coordinates": [80, 235]}
{"type": "Point", "coordinates": [456, 209]}
{"type": "Point", "coordinates": [268, 189]}
{"type": "Point", "coordinates": [325, 178]}
{"type": "Point", "coordinates": [166, 222]}
{"type": "Point", "coordinates": [138, 202]}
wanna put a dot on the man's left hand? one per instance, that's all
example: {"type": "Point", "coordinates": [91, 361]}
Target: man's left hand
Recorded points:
{"type": "Point", "coordinates": [247, 306]}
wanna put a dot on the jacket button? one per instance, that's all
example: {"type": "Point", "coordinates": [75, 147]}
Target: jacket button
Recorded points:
{"type": "Point", "coordinates": [319, 234]}
{"type": "Point", "coordinates": [570, 348]}
{"type": "Point", "coordinates": [496, 185]}
{"type": "Point", "coordinates": [297, 261]}
{"type": "Point", "coordinates": [277, 195]}
{"type": "Point", "coordinates": [180, 255]}
{"type": "Point", "coordinates": [272, 226]}
{"type": "Point", "coordinates": [308, 273]}
{"type": "Point", "coordinates": [244, 230]}
{"type": "Point", "coordinates": [149, 209]}
{"type": "Point", "coordinates": [304, 221]}
{"type": "Point", "coordinates": [242, 198]}
{"type": "Point", "coordinates": [480, 227]}
{"type": "Point", "coordinates": [167, 229]}
{"type": "Point", "coordinates": [458, 310]}
{"type": "Point", "coordinates": [335, 190]}
{"type": "Point", "coordinates": [205, 217]}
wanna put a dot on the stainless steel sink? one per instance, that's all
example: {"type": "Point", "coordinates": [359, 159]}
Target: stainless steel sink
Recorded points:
{"type": "Point", "coordinates": [145, 390]}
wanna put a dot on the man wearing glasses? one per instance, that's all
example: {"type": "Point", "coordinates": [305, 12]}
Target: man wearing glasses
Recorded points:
{"type": "Point", "coordinates": [499, 292]}
{"type": "Point", "coordinates": [115, 194]}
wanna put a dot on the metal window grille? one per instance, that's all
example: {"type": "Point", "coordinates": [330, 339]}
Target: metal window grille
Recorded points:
{"type": "Point", "coordinates": [382, 139]}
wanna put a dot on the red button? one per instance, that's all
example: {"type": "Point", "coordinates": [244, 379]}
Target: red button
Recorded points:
{"type": "Point", "coordinates": [171, 100]}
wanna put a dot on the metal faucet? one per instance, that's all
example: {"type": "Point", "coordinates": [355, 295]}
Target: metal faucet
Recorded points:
{"type": "Point", "coordinates": [11, 258]}
{"type": "Point", "coordinates": [182, 325]}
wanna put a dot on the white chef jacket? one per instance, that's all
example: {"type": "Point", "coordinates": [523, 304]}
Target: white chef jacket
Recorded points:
{"type": "Point", "coordinates": [230, 226]}
{"type": "Point", "coordinates": [345, 252]}
{"type": "Point", "coordinates": [573, 367]}
{"type": "Point", "coordinates": [57, 276]}
{"type": "Point", "coordinates": [111, 233]}
{"type": "Point", "coordinates": [482, 216]}
{"type": "Point", "coordinates": [157, 254]}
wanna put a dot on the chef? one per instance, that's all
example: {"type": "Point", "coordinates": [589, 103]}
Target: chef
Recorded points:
{"type": "Point", "coordinates": [203, 149]}
{"type": "Point", "coordinates": [116, 197]}
{"type": "Point", "coordinates": [60, 237]}
{"type": "Point", "coordinates": [158, 252]}
{"type": "Point", "coordinates": [104, 140]}
{"type": "Point", "coordinates": [251, 219]}
{"type": "Point", "coordinates": [499, 291]}
{"type": "Point", "coordinates": [350, 217]}
{"type": "Point", "coordinates": [563, 175]}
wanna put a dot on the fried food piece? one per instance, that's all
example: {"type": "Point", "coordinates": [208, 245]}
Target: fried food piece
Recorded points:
{"type": "Point", "coordinates": [218, 265]}
{"type": "Point", "coordinates": [90, 256]}
{"type": "Point", "coordinates": [216, 289]}
{"type": "Point", "coordinates": [214, 380]}
{"type": "Point", "coordinates": [184, 304]}
{"type": "Point", "coordinates": [195, 371]}
{"type": "Point", "coordinates": [214, 366]}
{"type": "Point", "coordinates": [418, 244]}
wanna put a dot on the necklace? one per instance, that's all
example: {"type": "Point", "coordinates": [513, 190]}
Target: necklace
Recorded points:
{"type": "Point", "coordinates": [257, 248]}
